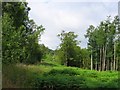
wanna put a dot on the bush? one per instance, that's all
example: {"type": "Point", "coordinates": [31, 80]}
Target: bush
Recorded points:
{"type": "Point", "coordinates": [61, 82]}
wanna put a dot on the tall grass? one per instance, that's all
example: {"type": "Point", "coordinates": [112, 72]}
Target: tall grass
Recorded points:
{"type": "Point", "coordinates": [17, 76]}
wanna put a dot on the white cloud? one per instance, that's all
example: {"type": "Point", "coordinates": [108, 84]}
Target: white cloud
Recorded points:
{"type": "Point", "coordinates": [46, 1]}
{"type": "Point", "coordinates": [68, 16]}
{"type": "Point", "coordinates": [67, 19]}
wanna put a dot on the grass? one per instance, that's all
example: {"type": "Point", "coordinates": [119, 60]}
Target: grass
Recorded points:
{"type": "Point", "coordinates": [58, 77]}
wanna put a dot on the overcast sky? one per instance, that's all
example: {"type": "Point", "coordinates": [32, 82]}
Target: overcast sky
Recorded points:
{"type": "Point", "coordinates": [72, 15]}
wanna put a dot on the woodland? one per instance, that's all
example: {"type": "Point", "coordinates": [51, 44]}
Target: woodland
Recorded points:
{"type": "Point", "coordinates": [28, 64]}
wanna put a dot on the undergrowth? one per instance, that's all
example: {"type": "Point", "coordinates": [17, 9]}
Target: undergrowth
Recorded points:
{"type": "Point", "coordinates": [56, 77]}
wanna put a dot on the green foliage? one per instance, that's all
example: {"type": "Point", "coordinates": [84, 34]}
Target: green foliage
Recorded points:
{"type": "Point", "coordinates": [102, 44]}
{"type": "Point", "coordinates": [60, 82]}
{"type": "Point", "coordinates": [64, 72]}
{"type": "Point", "coordinates": [69, 77]}
{"type": "Point", "coordinates": [20, 45]}
{"type": "Point", "coordinates": [85, 59]}
{"type": "Point", "coordinates": [67, 48]}
{"type": "Point", "coordinates": [20, 35]}
{"type": "Point", "coordinates": [18, 11]}
{"type": "Point", "coordinates": [10, 49]}
{"type": "Point", "coordinates": [58, 77]}
{"type": "Point", "coordinates": [70, 53]}
{"type": "Point", "coordinates": [59, 56]}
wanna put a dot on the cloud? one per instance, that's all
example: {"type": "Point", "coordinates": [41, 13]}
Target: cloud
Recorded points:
{"type": "Point", "coordinates": [72, 16]}
{"type": "Point", "coordinates": [46, 1]}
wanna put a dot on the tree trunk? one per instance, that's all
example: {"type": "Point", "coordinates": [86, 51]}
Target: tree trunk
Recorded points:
{"type": "Point", "coordinates": [116, 63]}
{"type": "Point", "coordinates": [108, 64]}
{"type": "Point", "coordinates": [96, 65]}
{"type": "Point", "coordinates": [104, 57]}
{"type": "Point", "coordinates": [91, 61]}
{"type": "Point", "coordinates": [111, 65]}
{"type": "Point", "coordinates": [100, 60]}
{"type": "Point", "coordinates": [114, 57]}
{"type": "Point", "coordinates": [66, 60]}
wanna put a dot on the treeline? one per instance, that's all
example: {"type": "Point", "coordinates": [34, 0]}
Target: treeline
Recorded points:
{"type": "Point", "coordinates": [104, 44]}
{"type": "Point", "coordinates": [20, 37]}
{"type": "Point", "coordinates": [103, 51]}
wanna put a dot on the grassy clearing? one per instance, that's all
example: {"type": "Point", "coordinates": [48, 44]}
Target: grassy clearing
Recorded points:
{"type": "Point", "coordinates": [47, 75]}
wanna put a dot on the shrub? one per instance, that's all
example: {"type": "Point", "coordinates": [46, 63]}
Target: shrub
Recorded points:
{"type": "Point", "coordinates": [60, 82]}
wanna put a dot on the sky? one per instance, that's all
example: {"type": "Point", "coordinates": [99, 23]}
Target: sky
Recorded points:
{"type": "Point", "coordinates": [72, 15]}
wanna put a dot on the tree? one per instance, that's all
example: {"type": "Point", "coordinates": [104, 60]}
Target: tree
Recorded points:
{"type": "Point", "coordinates": [8, 36]}
{"type": "Point", "coordinates": [20, 34]}
{"type": "Point", "coordinates": [102, 43]}
{"type": "Point", "coordinates": [91, 43]}
{"type": "Point", "coordinates": [85, 58]}
{"type": "Point", "coordinates": [67, 47]}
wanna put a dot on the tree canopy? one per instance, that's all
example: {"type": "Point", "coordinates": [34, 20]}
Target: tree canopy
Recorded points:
{"type": "Point", "coordinates": [20, 34]}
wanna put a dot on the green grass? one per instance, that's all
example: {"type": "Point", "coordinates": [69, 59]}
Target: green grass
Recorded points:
{"type": "Point", "coordinates": [55, 76]}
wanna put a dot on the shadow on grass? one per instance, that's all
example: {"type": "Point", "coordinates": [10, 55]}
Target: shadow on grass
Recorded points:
{"type": "Point", "coordinates": [70, 72]}
{"type": "Point", "coordinates": [48, 64]}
